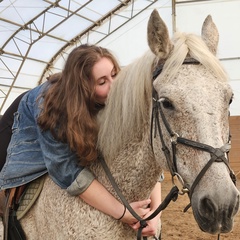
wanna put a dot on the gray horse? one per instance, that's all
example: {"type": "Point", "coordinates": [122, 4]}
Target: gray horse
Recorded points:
{"type": "Point", "coordinates": [192, 95]}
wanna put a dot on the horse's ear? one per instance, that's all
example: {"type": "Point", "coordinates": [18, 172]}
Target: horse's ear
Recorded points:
{"type": "Point", "coordinates": [210, 34]}
{"type": "Point", "coordinates": [158, 36]}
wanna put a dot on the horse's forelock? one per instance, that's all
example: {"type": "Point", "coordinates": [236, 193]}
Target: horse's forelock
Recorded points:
{"type": "Point", "coordinates": [193, 46]}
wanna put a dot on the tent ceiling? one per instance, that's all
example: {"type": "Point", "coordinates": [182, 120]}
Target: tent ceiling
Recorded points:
{"type": "Point", "coordinates": [36, 34]}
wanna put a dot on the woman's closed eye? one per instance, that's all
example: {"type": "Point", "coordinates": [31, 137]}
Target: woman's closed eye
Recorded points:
{"type": "Point", "coordinates": [114, 74]}
{"type": "Point", "coordinates": [101, 81]}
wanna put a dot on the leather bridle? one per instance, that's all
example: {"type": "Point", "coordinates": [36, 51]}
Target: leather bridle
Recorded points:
{"type": "Point", "coordinates": [216, 154]}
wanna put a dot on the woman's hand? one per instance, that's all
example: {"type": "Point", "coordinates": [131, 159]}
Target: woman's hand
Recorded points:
{"type": "Point", "coordinates": [152, 225]}
{"type": "Point", "coordinates": [140, 207]}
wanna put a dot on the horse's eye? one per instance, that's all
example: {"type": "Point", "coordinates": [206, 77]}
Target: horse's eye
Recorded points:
{"type": "Point", "coordinates": [231, 100]}
{"type": "Point", "coordinates": [167, 104]}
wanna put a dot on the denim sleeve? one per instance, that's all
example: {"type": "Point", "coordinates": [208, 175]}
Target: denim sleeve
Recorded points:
{"type": "Point", "coordinates": [62, 164]}
{"type": "Point", "coordinates": [161, 177]}
{"type": "Point", "coordinates": [81, 183]}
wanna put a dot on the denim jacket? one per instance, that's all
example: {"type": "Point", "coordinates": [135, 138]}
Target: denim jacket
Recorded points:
{"type": "Point", "coordinates": [33, 152]}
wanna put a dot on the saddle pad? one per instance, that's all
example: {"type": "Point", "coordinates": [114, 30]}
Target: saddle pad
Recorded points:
{"type": "Point", "coordinates": [31, 194]}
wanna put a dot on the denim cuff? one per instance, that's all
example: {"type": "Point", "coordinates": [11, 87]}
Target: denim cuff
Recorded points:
{"type": "Point", "coordinates": [161, 177]}
{"type": "Point", "coordinates": [81, 183]}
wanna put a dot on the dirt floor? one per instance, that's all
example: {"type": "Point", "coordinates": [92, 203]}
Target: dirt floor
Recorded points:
{"type": "Point", "coordinates": [178, 225]}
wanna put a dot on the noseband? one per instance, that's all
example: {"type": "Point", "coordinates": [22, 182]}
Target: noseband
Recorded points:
{"type": "Point", "coordinates": [216, 154]}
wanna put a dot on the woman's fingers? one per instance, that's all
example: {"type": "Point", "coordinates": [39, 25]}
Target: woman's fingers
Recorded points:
{"type": "Point", "coordinates": [150, 229]}
{"type": "Point", "coordinates": [141, 207]}
{"type": "Point", "coordinates": [141, 204]}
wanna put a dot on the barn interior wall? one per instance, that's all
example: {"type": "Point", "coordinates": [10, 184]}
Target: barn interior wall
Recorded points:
{"type": "Point", "coordinates": [234, 154]}
{"type": "Point", "coordinates": [190, 17]}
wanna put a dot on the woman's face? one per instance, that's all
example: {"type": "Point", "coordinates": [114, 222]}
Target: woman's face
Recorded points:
{"type": "Point", "coordinates": [104, 73]}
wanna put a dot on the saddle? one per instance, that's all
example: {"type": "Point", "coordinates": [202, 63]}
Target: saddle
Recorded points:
{"type": "Point", "coordinates": [14, 204]}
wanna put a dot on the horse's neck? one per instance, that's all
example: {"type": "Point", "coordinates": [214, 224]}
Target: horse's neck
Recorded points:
{"type": "Point", "coordinates": [134, 169]}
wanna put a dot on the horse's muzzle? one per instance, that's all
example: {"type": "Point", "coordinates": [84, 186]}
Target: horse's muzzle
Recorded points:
{"type": "Point", "coordinates": [214, 216]}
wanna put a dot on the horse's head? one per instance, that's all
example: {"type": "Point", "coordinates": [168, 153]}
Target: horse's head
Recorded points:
{"type": "Point", "coordinates": [193, 96]}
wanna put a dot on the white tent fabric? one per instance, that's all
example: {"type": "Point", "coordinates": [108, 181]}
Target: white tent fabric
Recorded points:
{"type": "Point", "coordinates": [37, 35]}
{"type": "Point", "coordinates": [34, 34]}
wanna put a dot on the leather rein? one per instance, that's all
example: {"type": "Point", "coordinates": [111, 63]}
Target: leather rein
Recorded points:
{"type": "Point", "coordinates": [172, 195]}
{"type": "Point", "coordinates": [217, 155]}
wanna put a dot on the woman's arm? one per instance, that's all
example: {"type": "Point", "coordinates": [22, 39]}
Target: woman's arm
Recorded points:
{"type": "Point", "coordinates": [98, 197]}
{"type": "Point", "coordinates": [156, 196]}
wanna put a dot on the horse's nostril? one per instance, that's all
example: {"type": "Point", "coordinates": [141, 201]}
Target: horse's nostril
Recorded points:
{"type": "Point", "coordinates": [207, 209]}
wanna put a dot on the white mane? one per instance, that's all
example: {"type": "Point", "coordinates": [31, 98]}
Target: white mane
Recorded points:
{"type": "Point", "coordinates": [127, 108]}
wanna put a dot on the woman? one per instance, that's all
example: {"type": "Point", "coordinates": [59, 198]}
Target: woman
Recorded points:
{"type": "Point", "coordinates": [55, 132]}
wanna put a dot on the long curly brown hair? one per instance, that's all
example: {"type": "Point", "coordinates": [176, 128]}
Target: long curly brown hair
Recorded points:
{"type": "Point", "coordinates": [69, 106]}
